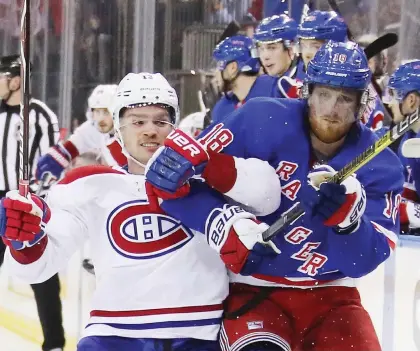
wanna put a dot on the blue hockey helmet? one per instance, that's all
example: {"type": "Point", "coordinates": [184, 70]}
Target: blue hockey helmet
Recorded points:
{"type": "Point", "coordinates": [239, 49]}
{"type": "Point", "coordinates": [323, 25]}
{"type": "Point", "coordinates": [339, 64]}
{"type": "Point", "coordinates": [275, 29]}
{"type": "Point", "coordinates": [404, 80]}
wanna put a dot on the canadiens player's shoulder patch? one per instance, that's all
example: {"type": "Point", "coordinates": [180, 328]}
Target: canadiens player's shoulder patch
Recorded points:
{"type": "Point", "coordinates": [86, 171]}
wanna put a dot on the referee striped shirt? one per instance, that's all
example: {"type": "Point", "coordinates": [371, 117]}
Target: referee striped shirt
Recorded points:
{"type": "Point", "coordinates": [43, 133]}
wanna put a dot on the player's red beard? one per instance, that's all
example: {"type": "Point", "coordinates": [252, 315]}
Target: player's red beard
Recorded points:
{"type": "Point", "coordinates": [328, 130]}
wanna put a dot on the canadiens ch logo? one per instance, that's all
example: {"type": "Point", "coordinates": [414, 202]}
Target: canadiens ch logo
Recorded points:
{"type": "Point", "coordinates": [135, 232]}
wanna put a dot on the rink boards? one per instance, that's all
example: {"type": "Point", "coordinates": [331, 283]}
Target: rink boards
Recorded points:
{"type": "Point", "coordinates": [391, 294]}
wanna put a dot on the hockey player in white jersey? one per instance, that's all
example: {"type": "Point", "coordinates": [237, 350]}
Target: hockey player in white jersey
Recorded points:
{"type": "Point", "coordinates": [193, 124]}
{"type": "Point", "coordinates": [97, 133]}
{"type": "Point", "coordinates": [158, 286]}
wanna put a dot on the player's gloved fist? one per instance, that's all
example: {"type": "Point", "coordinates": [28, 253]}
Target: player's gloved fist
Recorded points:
{"type": "Point", "coordinates": [173, 165]}
{"type": "Point", "coordinates": [338, 205]}
{"type": "Point", "coordinates": [410, 215]}
{"type": "Point", "coordinates": [22, 220]}
{"type": "Point", "coordinates": [233, 233]}
{"type": "Point", "coordinates": [55, 161]}
{"type": "Point", "coordinates": [289, 87]}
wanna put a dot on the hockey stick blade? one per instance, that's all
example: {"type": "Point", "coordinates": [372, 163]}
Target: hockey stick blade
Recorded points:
{"type": "Point", "coordinates": [231, 29]}
{"type": "Point", "coordinates": [411, 148]}
{"type": "Point", "coordinates": [387, 139]}
{"type": "Point", "coordinates": [382, 43]}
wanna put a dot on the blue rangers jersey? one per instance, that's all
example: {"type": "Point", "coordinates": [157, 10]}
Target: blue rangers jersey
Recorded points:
{"type": "Point", "coordinates": [312, 254]}
{"type": "Point", "coordinates": [264, 85]}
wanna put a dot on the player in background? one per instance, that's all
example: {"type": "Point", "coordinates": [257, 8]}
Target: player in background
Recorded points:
{"type": "Point", "coordinates": [316, 29]}
{"type": "Point", "coordinates": [305, 297]}
{"type": "Point", "coordinates": [95, 133]}
{"type": "Point", "coordinates": [274, 38]}
{"type": "Point", "coordinates": [158, 285]}
{"type": "Point", "coordinates": [237, 72]}
{"type": "Point", "coordinates": [403, 96]}
{"type": "Point", "coordinates": [193, 124]}
{"type": "Point", "coordinates": [377, 65]}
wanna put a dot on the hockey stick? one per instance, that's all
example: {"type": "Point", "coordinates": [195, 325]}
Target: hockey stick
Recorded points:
{"type": "Point", "coordinates": [382, 43]}
{"type": "Point", "coordinates": [411, 148]}
{"type": "Point", "coordinates": [203, 108]}
{"type": "Point", "coordinates": [25, 97]}
{"type": "Point", "coordinates": [387, 139]}
{"type": "Point", "coordinates": [231, 29]}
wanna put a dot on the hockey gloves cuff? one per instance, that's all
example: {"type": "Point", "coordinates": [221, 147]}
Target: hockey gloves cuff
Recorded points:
{"type": "Point", "coordinates": [233, 232]}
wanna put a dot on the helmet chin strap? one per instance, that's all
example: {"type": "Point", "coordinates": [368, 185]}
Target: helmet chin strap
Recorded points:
{"type": "Point", "coordinates": [127, 154]}
{"type": "Point", "coordinates": [124, 150]}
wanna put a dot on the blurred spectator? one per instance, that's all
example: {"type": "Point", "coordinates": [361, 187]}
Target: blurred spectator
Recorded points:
{"type": "Point", "coordinates": [219, 11]}
{"type": "Point", "coordinates": [99, 20]}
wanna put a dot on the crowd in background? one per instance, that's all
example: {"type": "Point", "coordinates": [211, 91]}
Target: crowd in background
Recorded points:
{"type": "Point", "coordinates": [104, 28]}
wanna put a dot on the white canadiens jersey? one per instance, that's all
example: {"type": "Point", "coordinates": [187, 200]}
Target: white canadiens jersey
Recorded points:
{"type": "Point", "coordinates": [87, 138]}
{"type": "Point", "coordinates": [155, 278]}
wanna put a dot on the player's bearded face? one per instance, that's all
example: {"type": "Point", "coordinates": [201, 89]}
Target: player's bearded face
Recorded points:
{"type": "Point", "coordinates": [103, 119]}
{"type": "Point", "coordinates": [143, 130]}
{"type": "Point", "coordinates": [274, 57]}
{"type": "Point", "coordinates": [228, 76]}
{"type": "Point", "coordinates": [332, 112]}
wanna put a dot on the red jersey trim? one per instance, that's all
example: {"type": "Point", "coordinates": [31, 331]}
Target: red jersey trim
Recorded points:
{"type": "Point", "coordinates": [116, 152]}
{"type": "Point", "coordinates": [170, 310]}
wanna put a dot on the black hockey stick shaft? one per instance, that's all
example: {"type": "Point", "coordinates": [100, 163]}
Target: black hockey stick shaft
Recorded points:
{"type": "Point", "coordinates": [24, 168]}
{"type": "Point", "coordinates": [382, 43]}
{"type": "Point", "coordinates": [231, 30]}
{"type": "Point", "coordinates": [392, 135]}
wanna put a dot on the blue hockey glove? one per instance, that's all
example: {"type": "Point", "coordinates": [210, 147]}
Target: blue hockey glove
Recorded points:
{"type": "Point", "coordinates": [173, 165]}
{"type": "Point", "coordinates": [338, 205]}
{"type": "Point", "coordinates": [55, 161]}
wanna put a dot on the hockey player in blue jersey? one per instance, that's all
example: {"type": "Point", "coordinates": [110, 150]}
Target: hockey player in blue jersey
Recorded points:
{"type": "Point", "coordinates": [238, 70]}
{"type": "Point", "coordinates": [403, 96]}
{"type": "Point", "coordinates": [305, 297]}
{"type": "Point", "coordinates": [274, 38]}
{"type": "Point", "coordinates": [317, 28]}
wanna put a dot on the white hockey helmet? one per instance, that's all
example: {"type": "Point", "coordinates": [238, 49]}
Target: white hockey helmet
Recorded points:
{"type": "Point", "coordinates": [193, 124]}
{"type": "Point", "coordinates": [102, 96]}
{"type": "Point", "coordinates": [144, 89]}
